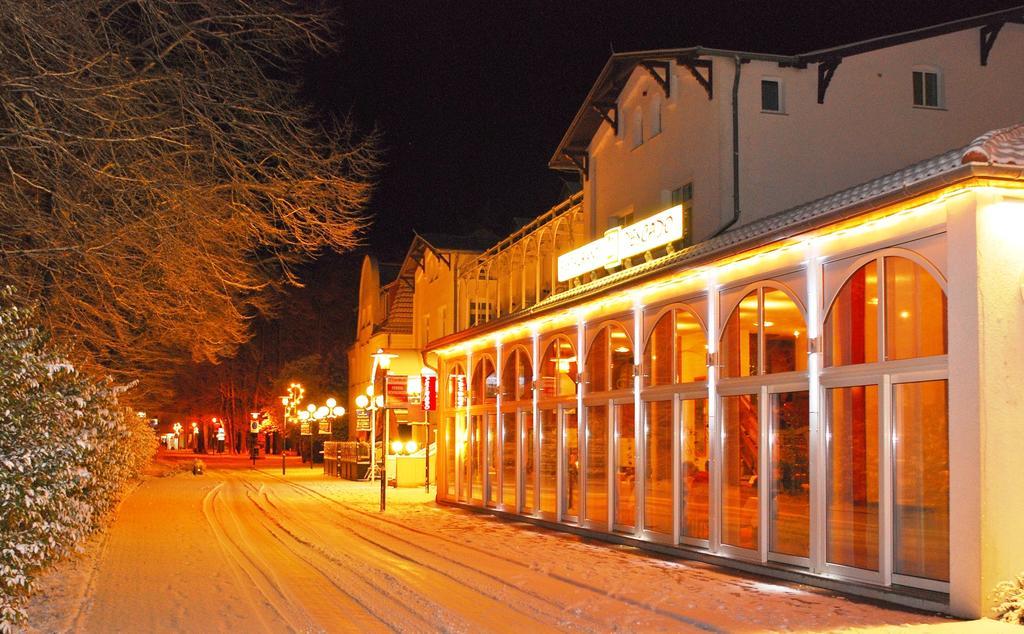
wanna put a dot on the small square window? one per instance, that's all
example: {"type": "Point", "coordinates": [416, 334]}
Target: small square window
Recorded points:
{"type": "Point", "coordinates": [771, 95]}
{"type": "Point", "coordinates": [926, 89]}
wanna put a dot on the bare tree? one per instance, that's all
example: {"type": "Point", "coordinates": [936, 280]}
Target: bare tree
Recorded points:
{"type": "Point", "coordinates": [159, 177]}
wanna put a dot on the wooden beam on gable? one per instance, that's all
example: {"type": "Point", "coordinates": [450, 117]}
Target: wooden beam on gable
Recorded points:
{"type": "Point", "coordinates": [609, 111]}
{"type": "Point", "coordinates": [826, 69]}
{"type": "Point", "coordinates": [656, 68]}
{"type": "Point", "coordinates": [695, 66]}
{"type": "Point", "coordinates": [580, 158]}
{"type": "Point", "coordinates": [988, 35]}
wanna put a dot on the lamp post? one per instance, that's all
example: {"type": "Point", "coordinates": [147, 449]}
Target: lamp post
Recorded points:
{"type": "Point", "coordinates": [381, 360]}
{"type": "Point", "coordinates": [329, 412]}
{"type": "Point", "coordinates": [291, 406]}
{"type": "Point", "coordinates": [177, 434]}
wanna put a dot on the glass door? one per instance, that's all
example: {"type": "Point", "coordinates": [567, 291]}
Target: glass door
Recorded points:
{"type": "Point", "coordinates": [548, 461]}
{"type": "Point", "coordinates": [493, 460]}
{"type": "Point", "coordinates": [528, 466]}
{"type": "Point", "coordinates": [695, 472]}
{"type": "Point", "coordinates": [571, 483]}
{"type": "Point", "coordinates": [658, 468]}
{"type": "Point", "coordinates": [625, 467]}
{"type": "Point", "coordinates": [508, 460]}
{"type": "Point", "coordinates": [596, 507]}
{"type": "Point", "coordinates": [740, 472]}
{"type": "Point", "coordinates": [789, 495]}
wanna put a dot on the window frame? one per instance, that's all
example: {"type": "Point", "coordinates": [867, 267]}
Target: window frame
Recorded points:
{"type": "Point", "coordinates": [940, 96]}
{"type": "Point", "coordinates": [781, 103]}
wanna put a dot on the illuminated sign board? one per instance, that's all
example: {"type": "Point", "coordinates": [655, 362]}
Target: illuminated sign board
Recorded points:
{"type": "Point", "coordinates": [429, 393]}
{"type": "Point", "coordinates": [396, 390]}
{"type": "Point", "coordinates": [622, 242]}
{"type": "Point", "coordinates": [362, 420]}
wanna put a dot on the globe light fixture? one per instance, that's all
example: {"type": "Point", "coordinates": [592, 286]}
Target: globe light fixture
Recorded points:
{"type": "Point", "coordinates": [331, 402]}
{"type": "Point", "coordinates": [362, 401]}
{"type": "Point", "coordinates": [411, 447]}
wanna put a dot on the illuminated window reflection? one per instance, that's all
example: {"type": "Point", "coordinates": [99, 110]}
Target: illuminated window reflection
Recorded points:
{"type": "Point", "coordinates": [695, 475]}
{"type": "Point", "coordinates": [740, 512]}
{"type": "Point", "coordinates": [597, 464]}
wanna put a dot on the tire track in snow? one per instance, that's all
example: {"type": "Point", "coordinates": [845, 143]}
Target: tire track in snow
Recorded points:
{"type": "Point", "coordinates": [395, 614]}
{"type": "Point", "coordinates": [465, 562]}
{"type": "Point", "coordinates": [443, 614]}
{"type": "Point", "coordinates": [248, 573]}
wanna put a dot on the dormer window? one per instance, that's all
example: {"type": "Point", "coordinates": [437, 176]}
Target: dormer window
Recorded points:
{"type": "Point", "coordinates": [927, 88]}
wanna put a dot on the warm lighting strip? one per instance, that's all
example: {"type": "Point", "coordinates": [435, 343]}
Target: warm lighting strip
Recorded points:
{"type": "Point", "coordinates": [729, 266]}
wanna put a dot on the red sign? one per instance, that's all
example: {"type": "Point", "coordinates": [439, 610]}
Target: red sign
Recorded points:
{"type": "Point", "coordinates": [429, 391]}
{"type": "Point", "coordinates": [396, 390]}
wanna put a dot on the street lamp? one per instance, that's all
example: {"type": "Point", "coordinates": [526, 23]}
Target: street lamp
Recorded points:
{"type": "Point", "coordinates": [291, 406]}
{"type": "Point", "coordinates": [177, 434]}
{"type": "Point", "coordinates": [381, 360]}
{"type": "Point", "coordinates": [328, 412]}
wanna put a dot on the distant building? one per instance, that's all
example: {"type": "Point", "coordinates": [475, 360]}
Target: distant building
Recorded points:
{"type": "Point", "coordinates": [402, 307]}
{"type": "Point", "coordinates": [780, 329]}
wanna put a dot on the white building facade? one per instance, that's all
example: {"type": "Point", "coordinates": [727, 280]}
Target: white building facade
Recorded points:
{"type": "Point", "coordinates": [817, 374]}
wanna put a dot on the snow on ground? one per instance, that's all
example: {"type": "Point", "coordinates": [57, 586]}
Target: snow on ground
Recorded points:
{"type": "Point", "coordinates": [241, 549]}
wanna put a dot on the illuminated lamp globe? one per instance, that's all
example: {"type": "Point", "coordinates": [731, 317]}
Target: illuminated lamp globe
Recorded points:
{"type": "Point", "coordinates": [338, 411]}
{"type": "Point", "coordinates": [322, 411]}
{"type": "Point", "coordinates": [396, 446]}
{"type": "Point", "coordinates": [331, 403]}
{"type": "Point", "coordinates": [284, 401]}
{"type": "Point", "coordinates": [362, 401]}
{"type": "Point", "coordinates": [411, 446]}
{"type": "Point", "coordinates": [311, 408]}
{"type": "Point", "coordinates": [379, 400]}
{"type": "Point", "coordinates": [303, 415]}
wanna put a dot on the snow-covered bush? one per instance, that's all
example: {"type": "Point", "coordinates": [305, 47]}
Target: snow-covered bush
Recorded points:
{"type": "Point", "coordinates": [1009, 596]}
{"type": "Point", "coordinates": [67, 451]}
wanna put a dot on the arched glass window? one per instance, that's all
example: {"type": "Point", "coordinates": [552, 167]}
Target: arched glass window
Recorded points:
{"type": "Point", "coordinates": [485, 382]}
{"type": "Point", "coordinates": [914, 313]}
{"type": "Point", "coordinates": [676, 350]}
{"type": "Point", "coordinates": [765, 334]}
{"type": "Point", "coordinates": [610, 360]}
{"type": "Point", "coordinates": [558, 369]}
{"type": "Point", "coordinates": [516, 376]}
{"type": "Point", "coordinates": [456, 389]}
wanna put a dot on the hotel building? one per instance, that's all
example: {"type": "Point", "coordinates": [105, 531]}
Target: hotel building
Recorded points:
{"type": "Point", "coordinates": [780, 329]}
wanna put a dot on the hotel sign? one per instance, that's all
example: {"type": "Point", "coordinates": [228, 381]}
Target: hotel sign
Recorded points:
{"type": "Point", "coordinates": [622, 242]}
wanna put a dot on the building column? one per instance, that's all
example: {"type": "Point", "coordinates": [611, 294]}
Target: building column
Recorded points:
{"type": "Point", "coordinates": [985, 250]}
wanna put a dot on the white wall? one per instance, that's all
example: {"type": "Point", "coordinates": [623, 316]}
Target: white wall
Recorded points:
{"type": "Point", "coordinates": [868, 125]}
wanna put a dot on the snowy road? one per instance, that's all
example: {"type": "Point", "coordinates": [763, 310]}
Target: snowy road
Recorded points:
{"type": "Point", "coordinates": [247, 550]}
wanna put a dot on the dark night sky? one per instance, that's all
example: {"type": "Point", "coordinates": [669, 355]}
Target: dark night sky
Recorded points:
{"type": "Point", "coordinates": [473, 97]}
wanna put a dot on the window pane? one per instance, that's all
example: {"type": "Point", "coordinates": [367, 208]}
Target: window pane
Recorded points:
{"type": "Point", "coordinates": [921, 514]}
{"type": "Point", "coordinates": [790, 509]}
{"type": "Point", "coordinates": [851, 329]}
{"type": "Point", "coordinates": [625, 465]}
{"type": "Point", "coordinates": [915, 311]}
{"type": "Point", "coordinates": [597, 464]}
{"type": "Point", "coordinates": [597, 363]}
{"type": "Point", "coordinates": [918, 88]}
{"type": "Point", "coordinates": [931, 89]}
{"type": "Point", "coordinates": [466, 456]}
{"type": "Point", "coordinates": [548, 460]}
{"type": "Point", "coordinates": [739, 475]}
{"type": "Point", "coordinates": [770, 95]}
{"type": "Point", "coordinates": [695, 474]}
{"type": "Point", "coordinates": [658, 467]}
{"type": "Point", "coordinates": [493, 458]}
{"type": "Point", "coordinates": [571, 482]}
{"type": "Point", "coordinates": [558, 370]}
{"type": "Point", "coordinates": [691, 348]}
{"type": "Point", "coordinates": [853, 483]}
{"type": "Point", "coordinates": [785, 335]}
{"type": "Point", "coordinates": [658, 353]}
{"type": "Point", "coordinates": [508, 460]}
{"type": "Point", "coordinates": [509, 377]}
{"type": "Point", "coordinates": [622, 359]}
{"type": "Point", "coordinates": [739, 340]}
{"type": "Point", "coordinates": [529, 466]}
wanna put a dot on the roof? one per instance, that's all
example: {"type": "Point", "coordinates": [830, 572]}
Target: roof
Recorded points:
{"type": "Point", "coordinates": [620, 66]}
{"type": "Point", "coordinates": [985, 155]}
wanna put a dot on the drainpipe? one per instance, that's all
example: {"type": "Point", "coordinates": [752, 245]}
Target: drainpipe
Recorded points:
{"type": "Point", "coordinates": [735, 150]}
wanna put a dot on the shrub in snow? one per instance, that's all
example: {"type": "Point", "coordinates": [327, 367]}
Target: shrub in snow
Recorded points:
{"type": "Point", "coordinates": [67, 451]}
{"type": "Point", "coordinates": [1009, 596]}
